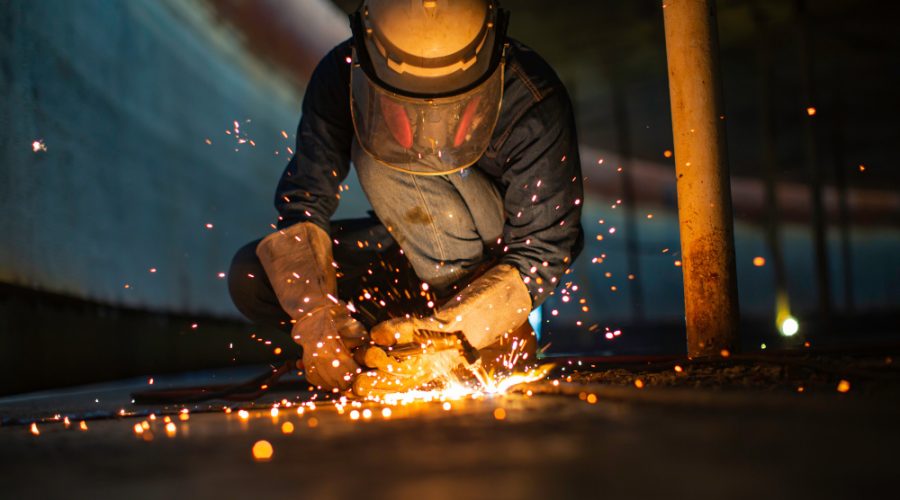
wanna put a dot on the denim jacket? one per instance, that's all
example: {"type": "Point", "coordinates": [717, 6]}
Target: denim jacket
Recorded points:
{"type": "Point", "coordinates": [532, 158]}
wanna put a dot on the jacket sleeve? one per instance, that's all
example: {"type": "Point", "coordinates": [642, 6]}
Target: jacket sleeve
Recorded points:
{"type": "Point", "coordinates": [544, 195]}
{"type": "Point", "coordinates": [309, 187]}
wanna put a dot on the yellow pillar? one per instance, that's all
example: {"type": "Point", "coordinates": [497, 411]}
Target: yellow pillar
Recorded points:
{"type": "Point", "coordinates": [704, 193]}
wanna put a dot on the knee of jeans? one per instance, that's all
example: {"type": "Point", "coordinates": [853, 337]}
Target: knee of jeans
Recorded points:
{"type": "Point", "coordinates": [445, 276]}
{"type": "Point", "coordinates": [244, 276]}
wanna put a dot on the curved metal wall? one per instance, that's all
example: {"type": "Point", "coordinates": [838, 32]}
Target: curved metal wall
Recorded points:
{"type": "Point", "coordinates": [124, 96]}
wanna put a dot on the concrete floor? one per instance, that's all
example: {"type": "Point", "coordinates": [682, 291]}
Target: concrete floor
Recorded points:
{"type": "Point", "coordinates": [629, 444]}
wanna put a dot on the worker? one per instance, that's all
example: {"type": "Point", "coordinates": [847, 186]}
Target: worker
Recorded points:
{"type": "Point", "coordinates": [464, 143]}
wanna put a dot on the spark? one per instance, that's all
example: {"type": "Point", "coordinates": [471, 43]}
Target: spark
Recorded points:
{"type": "Point", "coordinates": [38, 146]}
{"type": "Point", "coordinates": [843, 386]}
{"type": "Point", "coordinates": [790, 326]}
{"type": "Point", "coordinates": [811, 111]}
{"type": "Point", "coordinates": [262, 451]}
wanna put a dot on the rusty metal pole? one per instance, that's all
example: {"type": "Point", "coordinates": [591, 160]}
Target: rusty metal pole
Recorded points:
{"type": "Point", "coordinates": [704, 193]}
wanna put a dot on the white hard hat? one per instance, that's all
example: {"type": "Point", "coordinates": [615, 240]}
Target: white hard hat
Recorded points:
{"type": "Point", "coordinates": [427, 81]}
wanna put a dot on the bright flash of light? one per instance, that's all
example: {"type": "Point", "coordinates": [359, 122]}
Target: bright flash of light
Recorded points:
{"type": "Point", "coordinates": [789, 327]}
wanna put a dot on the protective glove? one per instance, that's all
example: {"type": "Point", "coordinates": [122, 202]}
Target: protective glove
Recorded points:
{"type": "Point", "coordinates": [298, 261]}
{"type": "Point", "coordinates": [496, 303]}
{"type": "Point", "coordinates": [392, 375]}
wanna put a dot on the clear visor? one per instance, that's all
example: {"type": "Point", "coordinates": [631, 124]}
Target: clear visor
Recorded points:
{"type": "Point", "coordinates": [425, 136]}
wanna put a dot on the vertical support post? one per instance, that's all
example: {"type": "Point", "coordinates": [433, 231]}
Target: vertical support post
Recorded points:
{"type": "Point", "coordinates": [632, 239]}
{"type": "Point", "coordinates": [768, 139]}
{"type": "Point", "coordinates": [704, 193]}
{"type": "Point", "coordinates": [816, 176]}
{"type": "Point", "coordinates": [840, 183]}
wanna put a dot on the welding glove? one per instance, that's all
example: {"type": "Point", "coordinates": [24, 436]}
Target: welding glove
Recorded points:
{"type": "Point", "coordinates": [495, 304]}
{"type": "Point", "coordinates": [392, 375]}
{"type": "Point", "coordinates": [298, 262]}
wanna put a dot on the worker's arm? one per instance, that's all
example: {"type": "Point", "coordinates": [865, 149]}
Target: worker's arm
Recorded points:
{"type": "Point", "coordinates": [298, 257]}
{"type": "Point", "coordinates": [309, 187]}
{"type": "Point", "coordinates": [544, 195]}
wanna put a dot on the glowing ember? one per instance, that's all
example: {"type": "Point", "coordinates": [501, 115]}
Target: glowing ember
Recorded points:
{"type": "Point", "coordinates": [38, 146]}
{"type": "Point", "coordinates": [843, 386]}
{"type": "Point", "coordinates": [262, 451]}
{"type": "Point", "coordinates": [759, 261]}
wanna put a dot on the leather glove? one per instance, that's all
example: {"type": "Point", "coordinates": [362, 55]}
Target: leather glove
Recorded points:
{"type": "Point", "coordinates": [496, 303]}
{"type": "Point", "coordinates": [298, 262]}
{"type": "Point", "coordinates": [393, 375]}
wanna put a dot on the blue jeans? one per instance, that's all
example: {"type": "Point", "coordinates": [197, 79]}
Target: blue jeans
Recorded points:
{"type": "Point", "coordinates": [447, 228]}
{"type": "Point", "coordinates": [446, 225]}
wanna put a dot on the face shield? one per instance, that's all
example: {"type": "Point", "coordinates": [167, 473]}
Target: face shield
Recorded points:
{"type": "Point", "coordinates": [425, 136]}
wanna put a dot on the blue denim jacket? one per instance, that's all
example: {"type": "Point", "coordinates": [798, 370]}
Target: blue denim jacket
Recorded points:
{"type": "Point", "coordinates": [532, 158]}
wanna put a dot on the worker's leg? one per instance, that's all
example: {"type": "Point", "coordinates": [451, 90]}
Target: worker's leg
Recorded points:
{"type": "Point", "coordinates": [443, 223]}
{"type": "Point", "coordinates": [369, 264]}
{"type": "Point", "coordinates": [252, 292]}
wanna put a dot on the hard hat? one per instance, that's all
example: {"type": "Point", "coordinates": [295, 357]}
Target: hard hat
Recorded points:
{"type": "Point", "coordinates": [427, 81]}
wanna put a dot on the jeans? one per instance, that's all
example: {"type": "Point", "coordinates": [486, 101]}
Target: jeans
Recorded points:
{"type": "Point", "coordinates": [446, 225]}
{"type": "Point", "coordinates": [440, 230]}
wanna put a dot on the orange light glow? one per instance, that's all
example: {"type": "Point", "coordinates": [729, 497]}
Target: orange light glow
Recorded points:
{"type": "Point", "coordinates": [499, 413]}
{"type": "Point", "coordinates": [262, 451]}
{"type": "Point", "coordinates": [759, 261]}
